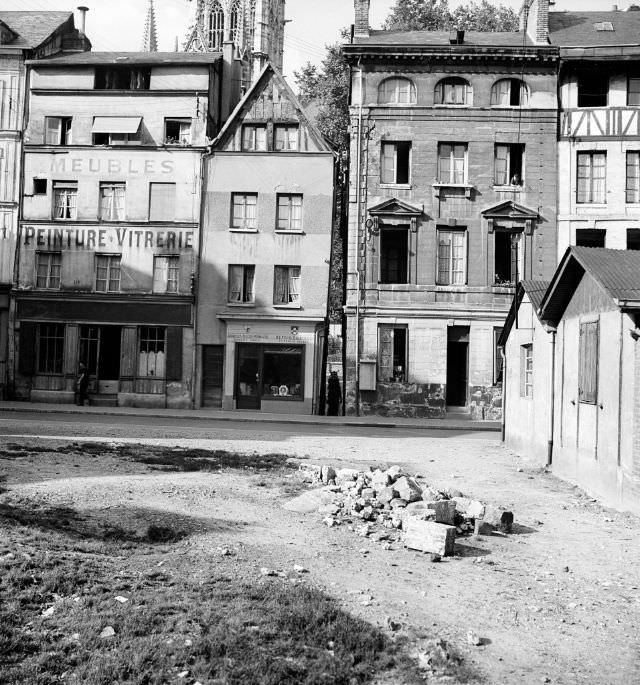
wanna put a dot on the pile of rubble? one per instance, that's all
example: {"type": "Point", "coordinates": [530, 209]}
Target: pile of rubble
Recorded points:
{"type": "Point", "coordinates": [390, 506]}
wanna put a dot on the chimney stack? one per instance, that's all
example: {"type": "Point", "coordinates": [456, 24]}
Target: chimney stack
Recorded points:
{"type": "Point", "coordinates": [83, 18]}
{"type": "Point", "coordinates": [361, 25]}
{"type": "Point", "coordinates": [534, 20]}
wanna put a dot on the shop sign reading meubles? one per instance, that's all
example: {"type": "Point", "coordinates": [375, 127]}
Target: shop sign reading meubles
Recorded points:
{"type": "Point", "coordinates": [90, 239]}
{"type": "Point", "coordinates": [131, 167]}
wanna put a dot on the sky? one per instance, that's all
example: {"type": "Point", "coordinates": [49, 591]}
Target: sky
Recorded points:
{"type": "Point", "coordinates": [119, 24]}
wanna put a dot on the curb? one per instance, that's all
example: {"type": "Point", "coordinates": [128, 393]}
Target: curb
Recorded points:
{"type": "Point", "coordinates": [470, 426]}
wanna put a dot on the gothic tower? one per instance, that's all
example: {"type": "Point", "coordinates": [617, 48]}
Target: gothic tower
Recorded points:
{"type": "Point", "coordinates": [150, 38]}
{"type": "Point", "coordinates": [256, 28]}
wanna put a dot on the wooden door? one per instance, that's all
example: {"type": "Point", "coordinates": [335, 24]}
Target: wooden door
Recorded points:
{"type": "Point", "coordinates": [212, 375]}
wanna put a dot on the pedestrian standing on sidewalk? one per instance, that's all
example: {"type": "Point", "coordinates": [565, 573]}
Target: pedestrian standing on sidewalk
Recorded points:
{"type": "Point", "coordinates": [334, 394]}
{"type": "Point", "coordinates": [82, 385]}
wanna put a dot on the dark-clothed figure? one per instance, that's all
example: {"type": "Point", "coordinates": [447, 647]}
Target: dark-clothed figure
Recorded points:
{"type": "Point", "coordinates": [334, 394]}
{"type": "Point", "coordinates": [82, 385]}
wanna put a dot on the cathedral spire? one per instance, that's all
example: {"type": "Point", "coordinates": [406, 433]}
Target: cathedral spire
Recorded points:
{"type": "Point", "coordinates": [150, 39]}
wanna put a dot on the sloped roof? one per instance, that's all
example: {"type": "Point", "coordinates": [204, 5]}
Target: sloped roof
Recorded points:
{"type": "Point", "coordinates": [33, 28]}
{"type": "Point", "coordinates": [535, 290]}
{"type": "Point", "coordinates": [100, 58]}
{"type": "Point", "coordinates": [578, 29]}
{"type": "Point", "coordinates": [616, 271]}
{"type": "Point", "coordinates": [516, 39]}
{"type": "Point", "coordinates": [268, 72]}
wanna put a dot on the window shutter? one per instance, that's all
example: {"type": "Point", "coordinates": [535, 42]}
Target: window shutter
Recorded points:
{"type": "Point", "coordinates": [444, 164]}
{"type": "Point", "coordinates": [174, 354]}
{"type": "Point", "coordinates": [588, 360]}
{"type": "Point", "coordinates": [388, 163]}
{"type": "Point", "coordinates": [385, 353]}
{"type": "Point", "coordinates": [27, 361]}
{"type": "Point", "coordinates": [515, 276]}
{"type": "Point", "coordinates": [53, 130]}
{"type": "Point", "coordinates": [502, 165]}
{"type": "Point", "coordinates": [444, 256]}
{"type": "Point", "coordinates": [162, 202]}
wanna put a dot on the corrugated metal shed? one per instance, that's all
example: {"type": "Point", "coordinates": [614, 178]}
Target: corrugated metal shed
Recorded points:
{"type": "Point", "coordinates": [535, 290]}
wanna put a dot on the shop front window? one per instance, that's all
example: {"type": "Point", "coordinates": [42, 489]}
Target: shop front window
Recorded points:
{"type": "Point", "coordinates": [282, 372]}
{"type": "Point", "coordinates": [151, 358]}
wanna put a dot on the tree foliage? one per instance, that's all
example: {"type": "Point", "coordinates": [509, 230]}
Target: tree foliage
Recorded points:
{"type": "Point", "coordinates": [435, 15]}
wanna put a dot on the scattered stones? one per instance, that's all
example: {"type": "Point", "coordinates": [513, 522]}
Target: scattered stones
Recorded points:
{"type": "Point", "coordinates": [427, 536]}
{"type": "Point", "coordinates": [394, 626]}
{"type": "Point", "coordinates": [474, 639]}
{"type": "Point", "coordinates": [268, 571]}
{"type": "Point", "coordinates": [47, 613]}
{"type": "Point", "coordinates": [482, 528]}
{"type": "Point", "coordinates": [408, 489]}
{"type": "Point", "coordinates": [108, 631]}
{"type": "Point", "coordinates": [328, 474]}
{"type": "Point", "coordinates": [498, 518]}
{"type": "Point", "coordinates": [300, 569]}
{"type": "Point", "coordinates": [121, 599]}
{"type": "Point", "coordinates": [445, 511]}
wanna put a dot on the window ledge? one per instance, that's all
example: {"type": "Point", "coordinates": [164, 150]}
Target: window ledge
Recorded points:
{"type": "Point", "coordinates": [508, 188]}
{"type": "Point", "coordinates": [233, 229]}
{"type": "Point", "coordinates": [292, 232]}
{"type": "Point", "coordinates": [439, 186]}
{"type": "Point", "coordinates": [397, 186]}
{"type": "Point", "coordinates": [282, 398]}
{"type": "Point", "coordinates": [287, 306]}
{"type": "Point", "coordinates": [246, 305]}
{"type": "Point", "coordinates": [591, 205]}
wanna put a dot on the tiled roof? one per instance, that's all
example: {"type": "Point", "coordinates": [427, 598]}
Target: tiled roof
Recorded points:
{"type": "Point", "coordinates": [513, 39]}
{"type": "Point", "coordinates": [535, 290]}
{"type": "Point", "coordinates": [85, 58]}
{"type": "Point", "coordinates": [578, 29]}
{"type": "Point", "coordinates": [33, 28]}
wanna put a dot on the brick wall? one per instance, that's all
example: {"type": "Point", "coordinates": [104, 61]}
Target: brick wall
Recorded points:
{"type": "Point", "coordinates": [362, 17]}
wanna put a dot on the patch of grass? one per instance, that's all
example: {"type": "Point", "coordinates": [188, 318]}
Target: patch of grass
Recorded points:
{"type": "Point", "coordinates": [221, 623]}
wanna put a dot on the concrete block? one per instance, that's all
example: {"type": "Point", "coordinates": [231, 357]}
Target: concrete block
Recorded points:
{"type": "Point", "coordinates": [426, 536]}
{"type": "Point", "coordinates": [408, 489]}
{"type": "Point", "coordinates": [498, 518]}
{"type": "Point", "coordinates": [419, 509]}
{"type": "Point", "coordinates": [445, 511]}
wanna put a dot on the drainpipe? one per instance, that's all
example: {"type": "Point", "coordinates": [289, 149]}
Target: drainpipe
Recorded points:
{"type": "Point", "coordinates": [358, 222]}
{"type": "Point", "coordinates": [504, 393]}
{"type": "Point", "coordinates": [552, 393]}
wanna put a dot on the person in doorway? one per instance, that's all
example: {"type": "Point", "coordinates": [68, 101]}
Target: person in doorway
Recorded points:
{"type": "Point", "coordinates": [82, 385]}
{"type": "Point", "coordinates": [334, 394]}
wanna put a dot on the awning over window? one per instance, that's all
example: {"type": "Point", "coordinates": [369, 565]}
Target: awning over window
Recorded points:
{"type": "Point", "coordinates": [116, 124]}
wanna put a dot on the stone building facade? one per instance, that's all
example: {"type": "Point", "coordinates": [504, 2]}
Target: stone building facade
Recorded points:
{"type": "Point", "coordinates": [452, 202]}
{"type": "Point", "coordinates": [266, 249]}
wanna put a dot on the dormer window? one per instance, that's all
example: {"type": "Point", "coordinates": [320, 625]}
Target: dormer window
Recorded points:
{"type": "Point", "coordinates": [453, 91]}
{"type": "Point", "coordinates": [397, 91]}
{"type": "Point", "coordinates": [509, 92]}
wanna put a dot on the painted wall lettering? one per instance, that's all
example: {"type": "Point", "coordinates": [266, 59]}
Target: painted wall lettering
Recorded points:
{"type": "Point", "coordinates": [89, 238]}
{"type": "Point", "coordinates": [133, 167]}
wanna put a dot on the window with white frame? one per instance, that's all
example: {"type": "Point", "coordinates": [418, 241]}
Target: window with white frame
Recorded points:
{"type": "Point", "coordinates": [526, 370]}
{"type": "Point", "coordinates": [509, 92]}
{"type": "Point", "coordinates": [285, 137]}
{"type": "Point", "coordinates": [48, 270]}
{"type": "Point", "coordinates": [244, 210]}
{"type": "Point", "coordinates": [254, 137]}
{"type": "Point", "coordinates": [65, 200]}
{"type": "Point", "coordinates": [452, 256]}
{"type": "Point", "coordinates": [108, 273]}
{"type": "Point", "coordinates": [289, 213]}
{"type": "Point", "coordinates": [453, 91]}
{"type": "Point", "coordinates": [286, 289]}
{"type": "Point", "coordinates": [633, 176]}
{"type": "Point", "coordinates": [112, 201]}
{"type": "Point", "coordinates": [592, 177]}
{"type": "Point", "coordinates": [508, 164]}
{"type": "Point", "coordinates": [50, 348]}
{"type": "Point", "coordinates": [57, 130]}
{"type": "Point", "coordinates": [166, 274]}
{"type": "Point", "coordinates": [152, 352]}
{"type": "Point", "coordinates": [241, 283]}
{"type": "Point", "coordinates": [395, 165]}
{"type": "Point", "coordinates": [452, 163]}
{"type": "Point", "coordinates": [397, 91]}
{"type": "Point", "coordinates": [177, 131]}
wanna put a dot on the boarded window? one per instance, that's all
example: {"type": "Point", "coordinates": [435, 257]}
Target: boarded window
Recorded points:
{"type": "Point", "coordinates": [27, 360]}
{"type": "Point", "coordinates": [174, 353]}
{"type": "Point", "coordinates": [588, 363]}
{"type": "Point", "coordinates": [162, 202]}
{"type": "Point", "coordinates": [526, 370]}
{"type": "Point", "coordinates": [392, 353]}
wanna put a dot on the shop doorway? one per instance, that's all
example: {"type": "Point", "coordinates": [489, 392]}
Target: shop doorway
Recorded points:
{"type": "Point", "coordinates": [100, 353]}
{"type": "Point", "coordinates": [212, 375]}
{"type": "Point", "coordinates": [248, 373]}
{"type": "Point", "coordinates": [457, 365]}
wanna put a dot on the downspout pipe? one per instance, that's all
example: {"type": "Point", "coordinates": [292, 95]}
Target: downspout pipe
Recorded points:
{"type": "Point", "coordinates": [358, 224]}
{"type": "Point", "coordinates": [503, 425]}
{"type": "Point", "coordinates": [552, 394]}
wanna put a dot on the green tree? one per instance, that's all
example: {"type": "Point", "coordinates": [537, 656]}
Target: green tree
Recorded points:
{"type": "Point", "coordinates": [484, 16]}
{"type": "Point", "coordinates": [435, 15]}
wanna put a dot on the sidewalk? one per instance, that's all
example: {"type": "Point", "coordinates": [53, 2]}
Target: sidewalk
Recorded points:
{"type": "Point", "coordinates": [455, 423]}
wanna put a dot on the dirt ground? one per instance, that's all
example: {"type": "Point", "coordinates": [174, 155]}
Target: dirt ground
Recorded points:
{"type": "Point", "coordinates": [558, 601]}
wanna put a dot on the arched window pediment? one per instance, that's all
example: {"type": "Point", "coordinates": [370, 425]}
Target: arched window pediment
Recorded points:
{"type": "Point", "coordinates": [453, 91]}
{"type": "Point", "coordinates": [509, 92]}
{"type": "Point", "coordinates": [397, 91]}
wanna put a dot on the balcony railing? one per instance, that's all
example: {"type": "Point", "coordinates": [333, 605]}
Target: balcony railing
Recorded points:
{"type": "Point", "coordinates": [601, 122]}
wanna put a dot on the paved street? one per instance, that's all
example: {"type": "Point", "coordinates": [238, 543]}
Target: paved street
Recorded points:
{"type": "Point", "coordinates": [151, 426]}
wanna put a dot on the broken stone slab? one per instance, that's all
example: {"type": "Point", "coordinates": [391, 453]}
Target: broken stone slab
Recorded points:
{"type": "Point", "coordinates": [426, 536]}
{"type": "Point", "coordinates": [394, 472]}
{"type": "Point", "coordinates": [386, 495]}
{"type": "Point", "coordinates": [445, 510]}
{"type": "Point", "coordinates": [408, 489]}
{"type": "Point", "coordinates": [328, 474]}
{"type": "Point", "coordinates": [498, 518]}
{"type": "Point", "coordinates": [380, 478]}
{"type": "Point", "coordinates": [482, 527]}
{"type": "Point", "coordinates": [310, 501]}
{"type": "Point", "coordinates": [398, 503]}
{"type": "Point", "coordinates": [368, 493]}
{"type": "Point", "coordinates": [347, 474]}
{"type": "Point", "coordinates": [469, 508]}
{"type": "Point", "coordinates": [420, 509]}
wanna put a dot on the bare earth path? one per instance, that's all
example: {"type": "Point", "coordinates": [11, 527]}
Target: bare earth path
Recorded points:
{"type": "Point", "coordinates": [558, 601]}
